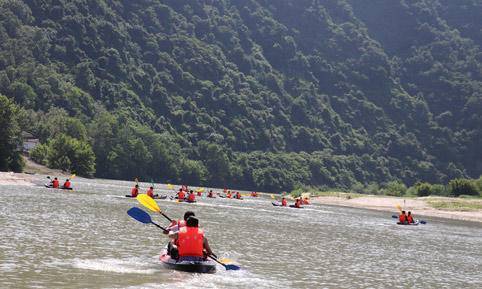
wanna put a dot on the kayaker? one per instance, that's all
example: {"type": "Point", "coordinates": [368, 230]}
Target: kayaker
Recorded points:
{"type": "Point", "coordinates": [410, 218]}
{"type": "Point", "coordinates": [191, 197]}
{"type": "Point", "coordinates": [66, 184]}
{"type": "Point", "coordinates": [284, 203]}
{"type": "Point", "coordinates": [228, 195]}
{"type": "Point", "coordinates": [238, 196]}
{"type": "Point", "coordinates": [210, 194]}
{"type": "Point", "coordinates": [298, 203]}
{"type": "Point", "coordinates": [190, 242]}
{"type": "Point", "coordinates": [135, 191]}
{"type": "Point", "coordinates": [199, 193]}
{"type": "Point", "coordinates": [181, 195]}
{"type": "Point", "coordinates": [254, 194]}
{"type": "Point", "coordinates": [55, 183]}
{"type": "Point", "coordinates": [150, 192]}
{"type": "Point", "coordinates": [402, 219]}
{"type": "Point", "coordinates": [175, 225]}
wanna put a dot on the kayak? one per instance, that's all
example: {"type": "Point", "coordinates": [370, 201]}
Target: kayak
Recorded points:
{"type": "Point", "coordinates": [187, 266]}
{"type": "Point", "coordinates": [412, 224]}
{"type": "Point", "coordinates": [62, 188]}
{"type": "Point", "coordinates": [293, 206]}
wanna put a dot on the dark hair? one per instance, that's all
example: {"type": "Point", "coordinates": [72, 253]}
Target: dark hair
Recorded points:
{"type": "Point", "coordinates": [188, 214]}
{"type": "Point", "coordinates": [137, 186]}
{"type": "Point", "coordinates": [192, 222]}
{"type": "Point", "coordinates": [403, 212]}
{"type": "Point", "coordinates": [151, 187]}
{"type": "Point", "coordinates": [191, 191]}
{"type": "Point", "coordinates": [409, 212]}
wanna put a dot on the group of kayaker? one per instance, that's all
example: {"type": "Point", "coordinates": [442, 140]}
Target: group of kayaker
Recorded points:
{"type": "Point", "coordinates": [149, 192]}
{"type": "Point", "coordinates": [183, 195]}
{"type": "Point", "coordinates": [405, 218]}
{"type": "Point", "coordinates": [187, 240]}
{"type": "Point", "coordinates": [55, 183]}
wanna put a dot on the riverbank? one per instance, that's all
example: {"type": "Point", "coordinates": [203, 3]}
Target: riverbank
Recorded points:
{"type": "Point", "coordinates": [440, 207]}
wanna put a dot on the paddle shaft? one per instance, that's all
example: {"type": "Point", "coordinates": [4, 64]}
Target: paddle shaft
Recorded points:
{"type": "Point", "coordinates": [160, 227]}
{"type": "Point", "coordinates": [170, 220]}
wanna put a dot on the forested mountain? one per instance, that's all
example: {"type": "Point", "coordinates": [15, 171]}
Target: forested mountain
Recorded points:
{"type": "Point", "coordinates": [256, 94]}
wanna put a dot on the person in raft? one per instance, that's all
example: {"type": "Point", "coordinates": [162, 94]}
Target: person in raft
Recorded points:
{"type": "Point", "coordinates": [228, 195]}
{"type": "Point", "coordinates": [284, 203]}
{"type": "Point", "coordinates": [191, 197]}
{"type": "Point", "coordinates": [254, 194]}
{"type": "Point", "coordinates": [190, 244]}
{"type": "Point", "coordinates": [67, 184]}
{"type": "Point", "coordinates": [175, 225]}
{"type": "Point", "coordinates": [410, 218]}
{"type": "Point", "coordinates": [402, 219]}
{"type": "Point", "coordinates": [298, 203]}
{"type": "Point", "coordinates": [181, 195]}
{"type": "Point", "coordinates": [134, 191]}
{"type": "Point", "coordinates": [199, 193]}
{"type": "Point", "coordinates": [55, 183]}
{"type": "Point", "coordinates": [150, 192]}
{"type": "Point", "coordinates": [238, 196]}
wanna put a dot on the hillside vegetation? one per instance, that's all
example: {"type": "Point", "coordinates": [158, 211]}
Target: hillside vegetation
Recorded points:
{"type": "Point", "coordinates": [255, 94]}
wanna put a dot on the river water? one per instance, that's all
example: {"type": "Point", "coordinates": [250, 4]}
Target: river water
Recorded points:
{"type": "Point", "coordinates": [84, 239]}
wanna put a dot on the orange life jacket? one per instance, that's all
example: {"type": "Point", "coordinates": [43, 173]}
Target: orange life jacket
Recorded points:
{"type": "Point", "coordinates": [298, 203]}
{"type": "Point", "coordinates": [238, 195]}
{"type": "Point", "coordinates": [284, 203]}
{"type": "Point", "coordinates": [134, 192]}
{"type": "Point", "coordinates": [181, 195]}
{"type": "Point", "coordinates": [150, 192]}
{"type": "Point", "coordinates": [190, 242]}
{"type": "Point", "coordinates": [402, 218]}
{"type": "Point", "coordinates": [191, 197]}
{"type": "Point", "coordinates": [67, 184]}
{"type": "Point", "coordinates": [55, 184]}
{"type": "Point", "coordinates": [410, 219]}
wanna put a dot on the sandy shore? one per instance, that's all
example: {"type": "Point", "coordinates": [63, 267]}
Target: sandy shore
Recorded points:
{"type": "Point", "coordinates": [418, 206]}
{"type": "Point", "coordinates": [10, 178]}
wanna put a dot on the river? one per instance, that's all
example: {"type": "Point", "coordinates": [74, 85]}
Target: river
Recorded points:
{"type": "Point", "coordinates": [84, 239]}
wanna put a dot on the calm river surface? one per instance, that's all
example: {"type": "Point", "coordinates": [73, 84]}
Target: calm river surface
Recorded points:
{"type": "Point", "coordinates": [85, 239]}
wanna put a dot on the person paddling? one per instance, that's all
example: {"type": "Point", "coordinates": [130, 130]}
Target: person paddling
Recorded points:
{"type": "Point", "coordinates": [402, 219]}
{"type": "Point", "coordinates": [181, 195]}
{"type": "Point", "coordinates": [228, 195]}
{"type": "Point", "coordinates": [191, 198]}
{"type": "Point", "coordinates": [199, 193]}
{"type": "Point", "coordinates": [67, 184]}
{"type": "Point", "coordinates": [238, 196]}
{"type": "Point", "coordinates": [175, 225]}
{"type": "Point", "coordinates": [284, 203]}
{"type": "Point", "coordinates": [150, 193]}
{"type": "Point", "coordinates": [298, 203]}
{"type": "Point", "coordinates": [190, 242]}
{"type": "Point", "coordinates": [55, 183]}
{"type": "Point", "coordinates": [210, 194]}
{"type": "Point", "coordinates": [410, 218]}
{"type": "Point", "coordinates": [135, 191]}
{"type": "Point", "coordinates": [254, 194]}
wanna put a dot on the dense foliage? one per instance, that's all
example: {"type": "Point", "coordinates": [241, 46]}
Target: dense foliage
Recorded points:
{"type": "Point", "coordinates": [10, 136]}
{"type": "Point", "coordinates": [258, 94]}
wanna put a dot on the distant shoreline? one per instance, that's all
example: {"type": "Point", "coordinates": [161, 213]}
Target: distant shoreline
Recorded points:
{"type": "Point", "coordinates": [418, 206]}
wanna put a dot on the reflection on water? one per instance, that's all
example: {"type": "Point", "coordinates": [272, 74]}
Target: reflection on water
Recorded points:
{"type": "Point", "coordinates": [84, 238]}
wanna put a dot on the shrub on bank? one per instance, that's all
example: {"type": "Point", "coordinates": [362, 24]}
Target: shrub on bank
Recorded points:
{"type": "Point", "coordinates": [459, 187]}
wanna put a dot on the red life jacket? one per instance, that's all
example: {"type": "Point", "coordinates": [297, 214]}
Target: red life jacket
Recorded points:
{"type": "Point", "coordinates": [55, 184]}
{"type": "Point", "coordinates": [238, 196]}
{"type": "Point", "coordinates": [284, 203]}
{"type": "Point", "coordinates": [134, 192]}
{"type": "Point", "coordinates": [67, 184]}
{"type": "Point", "coordinates": [199, 193]}
{"type": "Point", "coordinates": [402, 218]}
{"type": "Point", "coordinates": [210, 194]}
{"type": "Point", "coordinates": [181, 223]}
{"type": "Point", "coordinates": [150, 192]}
{"type": "Point", "coordinates": [181, 195]}
{"type": "Point", "coordinates": [190, 242]}
{"type": "Point", "coordinates": [410, 219]}
{"type": "Point", "coordinates": [228, 196]}
{"type": "Point", "coordinates": [191, 197]}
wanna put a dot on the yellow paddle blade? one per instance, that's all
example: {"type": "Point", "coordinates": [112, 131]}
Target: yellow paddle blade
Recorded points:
{"type": "Point", "coordinates": [272, 196]}
{"type": "Point", "coordinates": [399, 207]}
{"type": "Point", "coordinates": [72, 176]}
{"type": "Point", "coordinates": [148, 202]}
{"type": "Point", "coordinates": [200, 190]}
{"type": "Point", "coordinates": [170, 187]}
{"type": "Point", "coordinates": [225, 260]}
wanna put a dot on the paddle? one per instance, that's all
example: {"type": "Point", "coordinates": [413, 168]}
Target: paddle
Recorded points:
{"type": "Point", "coordinates": [143, 217]}
{"type": "Point", "coordinates": [227, 266]}
{"type": "Point", "coordinates": [149, 203]}
{"type": "Point", "coordinates": [421, 221]}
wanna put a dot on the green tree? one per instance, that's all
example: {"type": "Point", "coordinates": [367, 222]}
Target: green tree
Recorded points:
{"type": "Point", "coordinates": [458, 187]}
{"type": "Point", "coordinates": [69, 154]}
{"type": "Point", "coordinates": [10, 136]}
